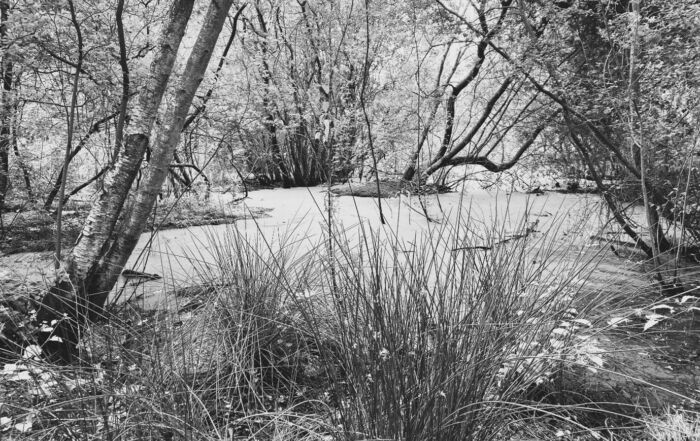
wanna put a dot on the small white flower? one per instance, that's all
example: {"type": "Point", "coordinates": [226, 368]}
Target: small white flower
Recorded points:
{"type": "Point", "coordinates": [26, 426]}
{"type": "Point", "coordinates": [617, 320]}
{"type": "Point", "coordinates": [306, 294]}
{"type": "Point", "coordinates": [384, 354]}
{"type": "Point", "coordinates": [595, 359]}
{"type": "Point", "coordinates": [5, 423]}
{"type": "Point", "coordinates": [584, 322]}
{"type": "Point", "coordinates": [560, 332]}
{"type": "Point", "coordinates": [21, 376]}
{"type": "Point", "coordinates": [32, 351]}
{"type": "Point", "coordinates": [9, 368]}
{"type": "Point", "coordinates": [571, 313]}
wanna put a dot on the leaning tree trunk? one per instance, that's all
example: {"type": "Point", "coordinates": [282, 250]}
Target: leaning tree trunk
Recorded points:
{"type": "Point", "coordinates": [164, 145]}
{"type": "Point", "coordinates": [79, 288]}
{"type": "Point", "coordinates": [100, 224]}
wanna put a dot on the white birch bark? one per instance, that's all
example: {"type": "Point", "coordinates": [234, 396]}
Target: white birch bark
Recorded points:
{"type": "Point", "coordinates": [164, 143]}
{"type": "Point", "coordinates": [82, 266]}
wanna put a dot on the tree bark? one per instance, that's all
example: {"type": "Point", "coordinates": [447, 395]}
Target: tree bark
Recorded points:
{"type": "Point", "coordinates": [638, 146]}
{"type": "Point", "coordinates": [6, 110]}
{"type": "Point", "coordinates": [69, 141]}
{"type": "Point", "coordinates": [363, 104]}
{"type": "Point", "coordinates": [488, 164]}
{"type": "Point", "coordinates": [123, 104]}
{"type": "Point", "coordinates": [20, 160]}
{"type": "Point", "coordinates": [617, 213]}
{"type": "Point", "coordinates": [102, 219]}
{"type": "Point", "coordinates": [164, 144]}
{"type": "Point", "coordinates": [266, 74]}
{"type": "Point", "coordinates": [5, 132]}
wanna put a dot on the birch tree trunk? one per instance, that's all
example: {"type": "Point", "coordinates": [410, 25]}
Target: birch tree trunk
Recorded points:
{"type": "Point", "coordinates": [77, 290]}
{"type": "Point", "coordinates": [100, 224]}
{"type": "Point", "coordinates": [105, 244]}
{"type": "Point", "coordinates": [164, 143]}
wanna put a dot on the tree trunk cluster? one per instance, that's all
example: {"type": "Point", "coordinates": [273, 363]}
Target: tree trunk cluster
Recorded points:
{"type": "Point", "coordinates": [116, 221]}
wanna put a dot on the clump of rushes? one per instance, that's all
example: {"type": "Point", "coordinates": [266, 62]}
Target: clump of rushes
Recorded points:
{"type": "Point", "coordinates": [468, 332]}
{"type": "Point", "coordinates": [450, 339]}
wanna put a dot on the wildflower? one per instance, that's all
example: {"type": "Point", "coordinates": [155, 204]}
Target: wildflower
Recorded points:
{"type": "Point", "coordinates": [32, 351]}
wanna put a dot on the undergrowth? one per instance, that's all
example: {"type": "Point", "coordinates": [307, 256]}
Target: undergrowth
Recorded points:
{"type": "Point", "coordinates": [468, 332]}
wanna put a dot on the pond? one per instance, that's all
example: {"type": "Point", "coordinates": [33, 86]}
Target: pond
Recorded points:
{"type": "Point", "coordinates": [297, 221]}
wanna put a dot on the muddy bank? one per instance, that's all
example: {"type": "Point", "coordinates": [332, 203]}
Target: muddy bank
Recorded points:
{"type": "Point", "coordinates": [34, 230]}
{"type": "Point", "coordinates": [386, 189]}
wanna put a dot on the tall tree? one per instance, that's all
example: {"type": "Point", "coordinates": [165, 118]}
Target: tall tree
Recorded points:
{"type": "Point", "coordinates": [6, 106]}
{"type": "Point", "coordinates": [71, 126]}
{"type": "Point", "coordinates": [627, 78]}
{"type": "Point", "coordinates": [110, 234]}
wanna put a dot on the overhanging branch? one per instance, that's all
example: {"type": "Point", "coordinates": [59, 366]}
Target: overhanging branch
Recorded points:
{"type": "Point", "coordinates": [600, 136]}
{"type": "Point", "coordinates": [491, 166]}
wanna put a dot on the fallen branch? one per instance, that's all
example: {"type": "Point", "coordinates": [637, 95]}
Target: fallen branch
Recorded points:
{"type": "Point", "coordinates": [614, 241]}
{"type": "Point", "coordinates": [132, 274]}
{"type": "Point", "coordinates": [529, 230]}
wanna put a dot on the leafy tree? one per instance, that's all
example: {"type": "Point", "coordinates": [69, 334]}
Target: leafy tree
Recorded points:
{"type": "Point", "coordinates": [628, 81]}
{"type": "Point", "coordinates": [491, 118]}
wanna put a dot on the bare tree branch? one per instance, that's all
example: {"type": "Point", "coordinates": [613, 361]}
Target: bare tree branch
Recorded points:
{"type": "Point", "coordinates": [491, 166]}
